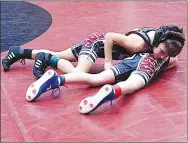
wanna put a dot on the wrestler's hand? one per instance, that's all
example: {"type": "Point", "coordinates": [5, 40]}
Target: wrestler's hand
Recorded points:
{"type": "Point", "coordinates": [108, 64]}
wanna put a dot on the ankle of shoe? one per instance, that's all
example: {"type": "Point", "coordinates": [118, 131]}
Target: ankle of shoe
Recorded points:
{"type": "Point", "coordinates": [117, 90]}
{"type": "Point", "coordinates": [26, 53]}
{"type": "Point", "coordinates": [61, 80]}
{"type": "Point", "coordinates": [53, 61]}
{"type": "Point", "coordinates": [48, 57]}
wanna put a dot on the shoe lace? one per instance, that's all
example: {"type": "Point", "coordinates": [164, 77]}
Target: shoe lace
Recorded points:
{"type": "Point", "coordinates": [22, 61]}
{"type": "Point", "coordinates": [58, 92]}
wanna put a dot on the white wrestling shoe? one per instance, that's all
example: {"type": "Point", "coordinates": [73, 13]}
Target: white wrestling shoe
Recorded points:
{"type": "Point", "coordinates": [47, 82]}
{"type": "Point", "coordinates": [89, 104]}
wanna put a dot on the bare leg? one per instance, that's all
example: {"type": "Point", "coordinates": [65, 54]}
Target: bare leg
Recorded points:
{"type": "Point", "coordinates": [66, 54]}
{"type": "Point", "coordinates": [66, 57]}
{"type": "Point", "coordinates": [84, 65]}
{"type": "Point", "coordinates": [109, 93]}
{"type": "Point", "coordinates": [133, 83]}
{"type": "Point", "coordinates": [65, 66]}
{"type": "Point", "coordinates": [105, 77]}
{"type": "Point", "coordinates": [51, 80]}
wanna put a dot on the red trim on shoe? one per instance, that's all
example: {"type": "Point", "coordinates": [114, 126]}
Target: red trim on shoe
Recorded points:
{"type": "Point", "coordinates": [117, 91]}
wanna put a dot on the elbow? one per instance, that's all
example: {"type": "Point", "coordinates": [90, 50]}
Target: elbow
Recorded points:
{"type": "Point", "coordinates": [108, 36]}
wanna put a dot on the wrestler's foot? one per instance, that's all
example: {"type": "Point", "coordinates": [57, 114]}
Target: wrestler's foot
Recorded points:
{"type": "Point", "coordinates": [42, 61]}
{"type": "Point", "coordinates": [89, 104]}
{"type": "Point", "coordinates": [50, 80]}
{"type": "Point", "coordinates": [15, 53]}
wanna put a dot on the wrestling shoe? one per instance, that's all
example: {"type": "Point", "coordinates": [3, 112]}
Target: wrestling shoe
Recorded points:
{"type": "Point", "coordinates": [42, 61]}
{"type": "Point", "coordinates": [15, 53]}
{"type": "Point", "coordinates": [89, 104]}
{"type": "Point", "coordinates": [50, 80]}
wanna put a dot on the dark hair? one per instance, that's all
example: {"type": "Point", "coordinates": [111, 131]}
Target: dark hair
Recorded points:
{"type": "Point", "coordinates": [173, 38]}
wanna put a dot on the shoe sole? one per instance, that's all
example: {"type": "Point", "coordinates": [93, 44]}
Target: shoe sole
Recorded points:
{"type": "Point", "coordinates": [32, 91]}
{"type": "Point", "coordinates": [90, 103]}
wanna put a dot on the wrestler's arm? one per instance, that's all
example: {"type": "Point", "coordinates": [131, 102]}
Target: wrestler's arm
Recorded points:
{"type": "Point", "coordinates": [172, 63]}
{"type": "Point", "coordinates": [128, 42]}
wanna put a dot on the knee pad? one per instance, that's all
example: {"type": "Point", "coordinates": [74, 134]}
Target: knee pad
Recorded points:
{"type": "Point", "coordinates": [53, 61]}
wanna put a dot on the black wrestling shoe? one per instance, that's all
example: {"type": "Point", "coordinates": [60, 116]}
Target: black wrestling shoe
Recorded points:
{"type": "Point", "coordinates": [15, 53]}
{"type": "Point", "coordinates": [42, 61]}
